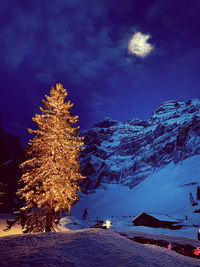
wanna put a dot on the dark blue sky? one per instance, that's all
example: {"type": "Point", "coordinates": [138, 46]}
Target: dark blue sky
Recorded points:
{"type": "Point", "coordinates": [83, 44]}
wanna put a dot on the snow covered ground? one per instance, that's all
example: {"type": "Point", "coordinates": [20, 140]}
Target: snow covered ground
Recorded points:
{"type": "Point", "coordinates": [163, 192]}
{"type": "Point", "coordinates": [87, 247]}
{"type": "Point", "coordinates": [121, 225]}
{"type": "Point", "coordinates": [16, 229]}
{"type": "Point", "coordinates": [124, 225]}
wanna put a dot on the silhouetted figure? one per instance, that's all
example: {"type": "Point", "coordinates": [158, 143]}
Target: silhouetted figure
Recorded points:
{"type": "Point", "coordinates": [85, 213]}
{"type": "Point", "coordinates": [186, 217]}
{"type": "Point", "coordinates": [198, 235]}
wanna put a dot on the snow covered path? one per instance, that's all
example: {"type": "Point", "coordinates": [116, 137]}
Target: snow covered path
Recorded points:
{"type": "Point", "coordinates": [88, 247]}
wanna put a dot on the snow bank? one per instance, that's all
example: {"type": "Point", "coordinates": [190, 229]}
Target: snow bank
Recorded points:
{"type": "Point", "coordinates": [90, 247]}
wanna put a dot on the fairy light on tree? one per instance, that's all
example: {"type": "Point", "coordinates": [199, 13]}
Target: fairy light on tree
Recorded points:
{"type": "Point", "coordinates": [50, 174]}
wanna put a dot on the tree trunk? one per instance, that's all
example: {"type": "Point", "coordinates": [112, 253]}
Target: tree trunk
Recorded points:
{"type": "Point", "coordinates": [48, 225]}
{"type": "Point", "coordinates": [49, 217]}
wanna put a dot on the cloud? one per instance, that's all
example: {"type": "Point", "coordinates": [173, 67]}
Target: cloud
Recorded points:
{"type": "Point", "coordinates": [158, 9]}
{"type": "Point", "coordinates": [171, 15]}
{"type": "Point", "coordinates": [185, 62]}
{"type": "Point", "coordinates": [138, 45]}
{"type": "Point", "coordinates": [76, 44]}
{"type": "Point", "coordinates": [75, 40]}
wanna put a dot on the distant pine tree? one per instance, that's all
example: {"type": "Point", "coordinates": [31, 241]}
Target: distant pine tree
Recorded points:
{"type": "Point", "coordinates": [2, 185]}
{"type": "Point", "coordinates": [0, 126]}
{"type": "Point", "coordinates": [193, 203]}
{"type": "Point", "coordinates": [198, 192]}
{"type": "Point", "coordinates": [10, 154]}
{"type": "Point", "coordinates": [1, 143]}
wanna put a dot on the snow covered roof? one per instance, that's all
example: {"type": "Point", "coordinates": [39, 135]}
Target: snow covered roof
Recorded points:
{"type": "Point", "coordinates": [160, 217]}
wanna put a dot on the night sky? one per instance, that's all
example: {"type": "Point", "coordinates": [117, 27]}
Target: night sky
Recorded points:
{"type": "Point", "coordinates": [83, 44]}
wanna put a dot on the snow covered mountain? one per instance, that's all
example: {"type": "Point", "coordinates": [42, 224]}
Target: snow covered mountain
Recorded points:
{"type": "Point", "coordinates": [127, 153]}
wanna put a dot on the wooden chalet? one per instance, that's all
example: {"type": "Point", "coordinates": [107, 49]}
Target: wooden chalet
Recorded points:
{"type": "Point", "coordinates": [156, 221]}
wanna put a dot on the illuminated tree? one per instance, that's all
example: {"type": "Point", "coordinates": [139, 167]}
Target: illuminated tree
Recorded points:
{"type": "Point", "coordinates": [50, 175]}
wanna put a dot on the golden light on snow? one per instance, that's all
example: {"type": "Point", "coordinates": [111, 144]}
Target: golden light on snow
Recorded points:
{"type": "Point", "coordinates": [107, 224]}
{"type": "Point", "coordinates": [139, 46]}
{"type": "Point", "coordinates": [16, 229]}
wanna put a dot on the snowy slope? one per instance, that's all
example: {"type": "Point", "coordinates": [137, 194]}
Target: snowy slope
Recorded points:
{"type": "Point", "coordinates": [165, 191]}
{"type": "Point", "coordinates": [85, 248]}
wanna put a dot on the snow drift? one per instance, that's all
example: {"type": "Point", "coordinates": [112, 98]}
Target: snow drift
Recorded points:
{"type": "Point", "coordinates": [91, 247]}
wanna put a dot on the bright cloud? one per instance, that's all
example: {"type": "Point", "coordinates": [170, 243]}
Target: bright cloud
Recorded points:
{"type": "Point", "coordinates": [138, 45]}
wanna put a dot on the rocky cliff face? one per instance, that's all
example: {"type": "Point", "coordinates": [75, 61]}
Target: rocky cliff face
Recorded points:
{"type": "Point", "coordinates": [127, 153]}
